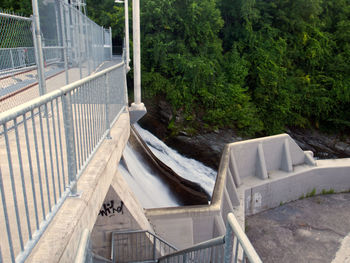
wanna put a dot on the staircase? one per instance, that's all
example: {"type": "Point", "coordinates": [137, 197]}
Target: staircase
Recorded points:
{"type": "Point", "coordinates": [142, 246]}
{"type": "Point", "coordinates": [138, 246]}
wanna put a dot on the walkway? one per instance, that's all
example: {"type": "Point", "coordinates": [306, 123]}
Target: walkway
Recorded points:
{"type": "Point", "coordinates": [39, 158]}
{"type": "Point", "coordinates": [308, 230]}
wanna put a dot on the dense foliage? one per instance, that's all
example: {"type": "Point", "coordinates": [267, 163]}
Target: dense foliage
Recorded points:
{"type": "Point", "coordinates": [254, 65]}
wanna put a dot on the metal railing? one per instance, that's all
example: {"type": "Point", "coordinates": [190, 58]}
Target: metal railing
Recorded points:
{"type": "Point", "coordinates": [45, 145]}
{"type": "Point", "coordinates": [237, 239]}
{"type": "Point", "coordinates": [68, 40]}
{"type": "Point", "coordinates": [138, 246]}
{"type": "Point", "coordinates": [208, 251]}
{"type": "Point", "coordinates": [233, 247]}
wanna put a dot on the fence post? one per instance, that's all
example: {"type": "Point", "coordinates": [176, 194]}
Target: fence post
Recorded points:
{"type": "Point", "coordinates": [38, 48]}
{"type": "Point", "coordinates": [228, 244]}
{"type": "Point", "coordinates": [154, 247]}
{"type": "Point", "coordinates": [108, 126]}
{"type": "Point", "coordinates": [12, 63]}
{"type": "Point", "coordinates": [87, 45]}
{"type": "Point", "coordinates": [110, 39]}
{"type": "Point", "coordinates": [64, 41]}
{"type": "Point", "coordinates": [70, 141]}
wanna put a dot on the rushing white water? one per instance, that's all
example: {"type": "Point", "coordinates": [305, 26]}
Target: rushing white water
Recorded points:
{"type": "Point", "coordinates": [149, 189]}
{"type": "Point", "coordinates": [190, 169]}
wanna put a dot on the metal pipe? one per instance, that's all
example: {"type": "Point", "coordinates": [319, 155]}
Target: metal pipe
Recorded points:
{"type": "Point", "coordinates": [64, 42]}
{"type": "Point", "coordinates": [110, 42]}
{"type": "Point", "coordinates": [127, 46]}
{"type": "Point", "coordinates": [137, 51]}
{"type": "Point", "coordinates": [38, 48]}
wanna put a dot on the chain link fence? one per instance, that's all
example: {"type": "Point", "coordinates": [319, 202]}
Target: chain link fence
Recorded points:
{"type": "Point", "coordinates": [73, 47]}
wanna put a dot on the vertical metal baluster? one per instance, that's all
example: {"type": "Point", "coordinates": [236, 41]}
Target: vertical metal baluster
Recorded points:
{"type": "Point", "coordinates": [108, 128]}
{"type": "Point", "coordinates": [81, 119]}
{"type": "Point", "coordinates": [228, 244]}
{"type": "Point", "coordinates": [98, 117]}
{"type": "Point", "coordinates": [44, 157]}
{"type": "Point", "coordinates": [8, 229]}
{"type": "Point", "coordinates": [56, 149]}
{"type": "Point", "coordinates": [154, 248]}
{"type": "Point", "coordinates": [87, 116]}
{"type": "Point", "coordinates": [236, 250]}
{"type": "Point", "coordinates": [50, 151]}
{"type": "Point", "coordinates": [100, 114]}
{"type": "Point", "coordinates": [75, 128]}
{"type": "Point", "coordinates": [31, 170]}
{"type": "Point", "coordinates": [24, 192]}
{"type": "Point", "coordinates": [81, 124]}
{"type": "Point", "coordinates": [213, 254]}
{"type": "Point", "coordinates": [94, 116]}
{"type": "Point", "coordinates": [60, 142]}
{"type": "Point", "coordinates": [38, 165]}
{"type": "Point", "coordinates": [92, 146]}
{"type": "Point", "coordinates": [13, 185]}
{"type": "Point", "coordinates": [70, 141]}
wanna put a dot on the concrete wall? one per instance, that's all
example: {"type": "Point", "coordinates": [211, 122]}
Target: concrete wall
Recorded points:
{"type": "Point", "coordinates": [60, 241]}
{"type": "Point", "coordinates": [282, 187]}
{"type": "Point", "coordinates": [253, 176]}
{"type": "Point", "coordinates": [120, 211]}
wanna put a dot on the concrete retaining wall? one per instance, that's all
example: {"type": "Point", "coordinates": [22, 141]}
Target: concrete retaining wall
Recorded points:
{"type": "Point", "coordinates": [253, 176]}
{"type": "Point", "coordinates": [120, 211]}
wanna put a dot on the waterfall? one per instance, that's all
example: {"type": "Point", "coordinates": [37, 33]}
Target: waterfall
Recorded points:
{"type": "Point", "coordinates": [149, 189]}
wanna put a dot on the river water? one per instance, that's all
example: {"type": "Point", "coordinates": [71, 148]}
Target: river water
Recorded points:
{"type": "Point", "coordinates": [150, 190]}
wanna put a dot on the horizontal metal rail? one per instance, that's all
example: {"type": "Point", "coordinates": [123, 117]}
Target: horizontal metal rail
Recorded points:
{"type": "Point", "coordinates": [15, 17]}
{"type": "Point", "coordinates": [186, 253]}
{"type": "Point", "coordinates": [35, 103]}
{"type": "Point", "coordinates": [138, 246]}
{"type": "Point", "coordinates": [46, 144]}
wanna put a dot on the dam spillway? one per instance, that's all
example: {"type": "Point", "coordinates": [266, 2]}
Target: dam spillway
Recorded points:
{"type": "Point", "coordinates": [161, 177]}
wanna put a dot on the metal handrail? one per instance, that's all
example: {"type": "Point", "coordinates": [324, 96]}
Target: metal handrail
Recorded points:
{"type": "Point", "coordinates": [35, 103]}
{"type": "Point", "coordinates": [158, 245]}
{"type": "Point", "coordinates": [200, 246]}
{"type": "Point", "coordinates": [50, 143]}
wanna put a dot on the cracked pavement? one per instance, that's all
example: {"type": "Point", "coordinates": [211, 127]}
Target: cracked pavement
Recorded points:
{"type": "Point", "coordinates": [307, 230]}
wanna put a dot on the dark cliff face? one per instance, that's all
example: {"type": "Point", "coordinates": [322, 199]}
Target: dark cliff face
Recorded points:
{"type": "Point", "coordinates": [207, 146]}
{"type": "Point", "coordinates": [324, 146]}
